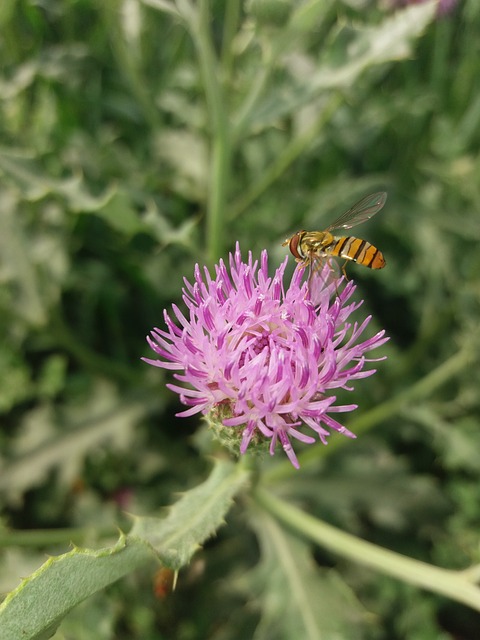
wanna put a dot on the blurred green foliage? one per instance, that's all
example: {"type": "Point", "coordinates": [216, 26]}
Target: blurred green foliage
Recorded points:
{"type": "Point", "coordinates": [131, 148]}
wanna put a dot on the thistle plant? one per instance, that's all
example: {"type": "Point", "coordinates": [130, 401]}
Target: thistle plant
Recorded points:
{"type": "Point", "coordinates": [273, 365]}
{"type": "Point", "coordinates": [261, 359]}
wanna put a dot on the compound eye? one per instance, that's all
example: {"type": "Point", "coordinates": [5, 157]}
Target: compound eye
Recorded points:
{"type": "Point", "coordinates": [295, 246]}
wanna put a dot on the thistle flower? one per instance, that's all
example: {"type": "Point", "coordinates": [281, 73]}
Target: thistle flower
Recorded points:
{"type": "Point", "coordinates": [262, 361]}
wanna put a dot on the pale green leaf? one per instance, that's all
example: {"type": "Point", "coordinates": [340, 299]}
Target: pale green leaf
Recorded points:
{"type": "Point", "coordinates": [296, 598]}
{"type": "Point", "coordinates": [94, 619]}
{"type": "Point", "coordinates": [34, 610]}
{"type": "Point", "coordinates": [166, 234]}
{"type": "Point", "coordinates": [194, 518]}
{"type": "Point", "coordinates": [163, 5]}
{"type": "Point", "coordinates": [114, 205]}
{"type": "Point", "coordinates": [184, 9]}
{"type": "Point", "coordinates": [391, 40]}
{"type": "Point", "coordinates": [16, 562]}
{"type": "Point", "coordinates": [119, 213]}
{"type": "Point", "coordinates": [42, 446]}
{"type": "Point", "coordinates": [186, 152]}
{"type": "Point", "coordinates": [308, 13]}
{"type": "Point", "coordinates": [17, 264]}
{"type": "Point", "coordinates": [15, 374]}
{"type": "Point", "coordinates": [459, 446]}
{"type": "Point", "coordinates": [6, 11]}
{"type": "Point", "coordinates": [35, 184]}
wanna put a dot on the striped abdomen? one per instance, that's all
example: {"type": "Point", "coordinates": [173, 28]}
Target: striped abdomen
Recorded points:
{"type": "Point", "coordinates": [357, 250]}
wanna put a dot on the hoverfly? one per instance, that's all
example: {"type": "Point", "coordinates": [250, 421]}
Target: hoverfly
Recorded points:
{"type": "Point", "coordinates": [314, 248]}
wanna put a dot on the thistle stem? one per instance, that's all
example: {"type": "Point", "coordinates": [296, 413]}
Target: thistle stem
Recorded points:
{"type": "Point", "coordinates": [290, 153]}
{"type": "Point", "coordinates": [453, 584]}
{"type": "Point", "coordinates": [220, 148]}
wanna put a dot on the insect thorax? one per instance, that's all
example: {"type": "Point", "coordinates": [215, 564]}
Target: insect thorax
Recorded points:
{"type": "Point", "coordinates": [317, 241]}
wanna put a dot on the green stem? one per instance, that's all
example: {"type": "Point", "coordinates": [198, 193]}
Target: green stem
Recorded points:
{"type": "Point", "coordinates": [273, 51]}
{"type": "Point", "coordinates": [232, 14]}
{"type": "Point", "coordinates": [127, 63]}
{"type": "Point", "coordinates": [422, 389]}
{"type": "Point", "coordinates": [440, 59]}
{"type": "Point", "coordinates": [48, 537]}
{"type": "Point", "coordinates": [247, 108]}
{"type": "Point", "coordinates": [453, 584]}
{"type": "Point", "coordinates": [291, 152]}
{"type": "Point", "coordinates": [220, 149]}
{"type": "Point", "coordinates": [218, 196]}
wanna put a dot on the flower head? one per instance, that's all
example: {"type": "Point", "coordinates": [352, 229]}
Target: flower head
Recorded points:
{"type": "Point", "coordinates": [263, 359]}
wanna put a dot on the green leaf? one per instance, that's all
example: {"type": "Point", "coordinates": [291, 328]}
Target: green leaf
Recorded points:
{"type": "Point", "coordinates": [186, 152]}
{"type": "Point", "coordinates": [307, 13]}
{"type": "Point", "coordinates": [34, 184]}
{"type": "Point", "coordinates": [194, 518]}
{"type": "Point", "coordinates": [34, 610]}
{"type": "Point", "coordinates": [164, 5]}
{"type": "Point", "coordinates": [44, 446]}
{"type": "Point", "coordinates": [458, 585]}
{"type": "Point", "coordinates": [30, 300]}
{"type": "Point", "coordinates": [391, 40]}
{"type": "Point", "coordinates": [15, 375]}
{"type": "Point", "coordinates": [297, 599]}
{"type": "Point", "coordinates": [165, 233]}
{"type": "Point", "coordinates": [6, 11]}
{"type": "Point", "coordinates": [120, 214]}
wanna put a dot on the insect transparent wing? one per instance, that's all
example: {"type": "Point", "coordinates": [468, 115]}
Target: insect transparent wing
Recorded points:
{"type": "Point", "coordinates": [362, 211]}
{"type": "Point", "coordinates": [322, 272]}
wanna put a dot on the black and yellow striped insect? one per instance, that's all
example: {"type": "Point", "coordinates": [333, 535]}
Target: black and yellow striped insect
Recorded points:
{"type": "Point", "coordinates": [314, 248]}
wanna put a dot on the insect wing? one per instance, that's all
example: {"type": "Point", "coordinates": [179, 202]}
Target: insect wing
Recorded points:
{"type": "Point", "coordinates": [322, 272]}
{"type": "Point", "coordinates": [362, 211]}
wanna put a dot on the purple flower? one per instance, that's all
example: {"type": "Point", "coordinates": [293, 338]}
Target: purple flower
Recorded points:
{"type": "Point", "coordinates": [261, 359]}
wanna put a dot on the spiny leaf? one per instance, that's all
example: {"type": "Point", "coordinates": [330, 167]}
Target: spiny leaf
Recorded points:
{"type": "Point", "coordinates": [194, 518]}
{"type": "Point", "coordinates": [35, 184]}
{"type": "Point", "coordinates": [34, 610]}
{"type": "Point", "coordinates": [297, 599]}
{"type": "Point", "coordinates": [104, 419]}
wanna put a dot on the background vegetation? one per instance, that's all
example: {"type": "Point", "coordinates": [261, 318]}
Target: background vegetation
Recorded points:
{"type": "Point", "coordinates": [141, 138]}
